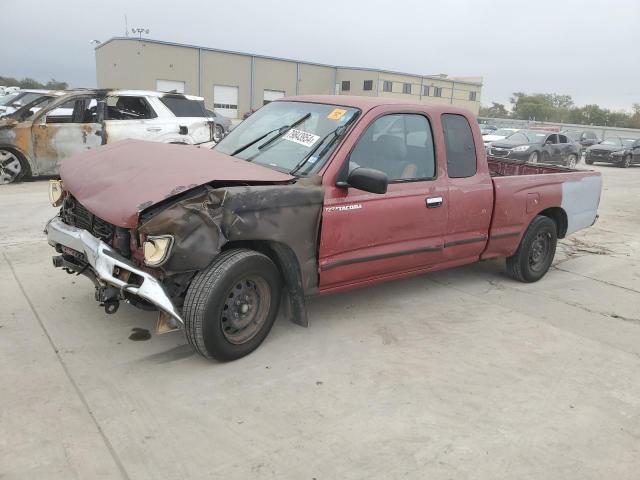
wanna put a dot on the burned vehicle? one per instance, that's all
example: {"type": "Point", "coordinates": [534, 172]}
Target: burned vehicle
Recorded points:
{"type": "Point", "coordinates": [309, 195]}
{"type": "Point", "coordinates": [35, 139]}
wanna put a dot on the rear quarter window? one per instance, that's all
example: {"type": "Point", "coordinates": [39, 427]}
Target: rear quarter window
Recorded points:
{"type": "Point", "coordinates": [184, 107]}
{"type": "Point", "coordinates": [459, 145]}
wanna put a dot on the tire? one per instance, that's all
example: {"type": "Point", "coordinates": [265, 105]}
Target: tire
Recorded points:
{"type": "Point", "coordinates": [588, 161]}
{"type": "Point", "coordinates": [626, 162]}
{"type": "Point", "coordinates": [536, 251]}
{"type": "Point", "coordinates": [218, 133]}
{"type": "Point", "coordinates": [533, 158]}
{"type": "Point", "coordinates": [13, 166]}
{"type": "Point", "coordinates": [572, 161]}
{"type": "Point", "coordinates": [216, 324]}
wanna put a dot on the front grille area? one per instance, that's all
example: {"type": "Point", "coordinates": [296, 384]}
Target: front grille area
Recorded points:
{"type": "Point", "coordinates": [499, 152]}
{"type": "Point", "coordinates": [75, 214]}
{"type": "Point", "coordinates": [600, 153]}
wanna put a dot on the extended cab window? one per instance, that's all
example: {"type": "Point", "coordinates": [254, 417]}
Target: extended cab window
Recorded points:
{"type": "Point", "coordinates": [400, 145]}
{"type": "Point", "coordinates": [183, 107]}
{"type": "Point", "coordinates": [460, 147]}
{"type": "Point", "coordinates": [129, 108]}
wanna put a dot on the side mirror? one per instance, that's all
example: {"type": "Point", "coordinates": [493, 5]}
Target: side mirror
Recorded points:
{"type": "Point", "coordinates": [368, 180]}
{"type": "Point", "coordinates": [548, 142]}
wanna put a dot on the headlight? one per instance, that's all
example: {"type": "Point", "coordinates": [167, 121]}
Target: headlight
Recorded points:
{"type": "Point", "coordinates": [56, 192]}
{"type": "Point", "coordinates": [157, 249]}
{"type": "Point", "coordinates": [521, 148]}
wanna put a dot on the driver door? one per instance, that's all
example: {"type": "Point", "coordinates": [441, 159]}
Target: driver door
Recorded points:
{"type": "Point", "coordinates": [63, 131]}
{"type": "Point", "coordinates": [368, 236]}
{"type": "Point", "coordinates": [552, 149]}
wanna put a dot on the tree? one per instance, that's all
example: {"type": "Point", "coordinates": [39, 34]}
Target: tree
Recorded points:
{"type": "Point", "coordinates": [52, 84]}
{"type": "Point", "coordinates": [496, 110]}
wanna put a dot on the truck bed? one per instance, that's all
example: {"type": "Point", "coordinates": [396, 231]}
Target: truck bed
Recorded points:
{"type": "Point", "coordinates": [501, 167]}
{"type": "Point", "coordinates": [522, 191]}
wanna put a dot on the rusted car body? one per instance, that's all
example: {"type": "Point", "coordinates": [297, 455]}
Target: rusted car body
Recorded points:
{"type": "Point", "coordinates": [37, 138]}
{"type": "Point", "coordinates": [337, 218]}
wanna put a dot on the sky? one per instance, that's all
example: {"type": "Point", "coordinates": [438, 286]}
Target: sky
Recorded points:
{"type": "Point", "coordinates": [587, 49]}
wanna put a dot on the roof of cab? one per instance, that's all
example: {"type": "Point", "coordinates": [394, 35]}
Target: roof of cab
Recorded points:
{"type": "Point", "coordinates": [368, 103]}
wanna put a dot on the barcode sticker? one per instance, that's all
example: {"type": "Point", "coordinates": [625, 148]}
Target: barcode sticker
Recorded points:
{"type": "Point", "coordinates": [301, 137]}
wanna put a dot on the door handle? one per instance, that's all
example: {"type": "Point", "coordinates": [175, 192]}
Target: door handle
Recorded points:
{"type": "Point", "coordinates": [153, 129]}
{"type": "Point", "coordinates": [433, 202]}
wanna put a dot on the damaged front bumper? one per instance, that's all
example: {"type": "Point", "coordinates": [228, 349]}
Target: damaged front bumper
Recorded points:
{"type": "Point", "coordinates": [109, 267]}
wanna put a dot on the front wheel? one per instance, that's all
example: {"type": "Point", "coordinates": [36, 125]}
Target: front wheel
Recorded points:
{"type": "Point", "coordinates": [536, 251]}
{"type": "Point", "coordinates": [588, 161]}
{"type": "Point", "coordinates": [230, 306]}
{"type": "Point", "coordinates": [533, 158]}
{"type": "Point", "coordinates": [13, 167]}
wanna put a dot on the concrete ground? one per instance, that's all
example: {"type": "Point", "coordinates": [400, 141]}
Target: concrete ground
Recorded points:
{"type": "Point", "coordinates": [457, 374]}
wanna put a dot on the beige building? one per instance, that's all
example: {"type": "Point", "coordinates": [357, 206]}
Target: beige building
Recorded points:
{"type": "Point", "coordinates": [232, 83]}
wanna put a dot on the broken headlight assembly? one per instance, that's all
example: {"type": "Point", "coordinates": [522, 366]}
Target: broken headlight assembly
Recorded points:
{"type": "Point", "coordinates": [157, 249]}
{"type": "Point", "coordinates": [56, 192]}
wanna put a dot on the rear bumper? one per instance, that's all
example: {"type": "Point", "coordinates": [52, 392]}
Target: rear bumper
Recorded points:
{"type": "Point", "coordinates": [104, 260]}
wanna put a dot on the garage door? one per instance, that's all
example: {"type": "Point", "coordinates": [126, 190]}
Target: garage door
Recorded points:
{"type": "Point", "coordinates": [271, 95]}
{"type": "Point", "coordinates": [225, 101]}
{"type": "Point", "coordinates": [170, 86]}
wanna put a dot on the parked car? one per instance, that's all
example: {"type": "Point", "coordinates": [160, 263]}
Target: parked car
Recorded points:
{"type": "Point", "coordinates": [222, 125]}
{"type": "Point", "coordinates": [585, 138]}
{"type": "Point", "coordinates": [499, 134]}
{"type": "Point", "coordinates": [17, 99]}
{"type": "Point", "coordinates": [535, 146]}
{"type": "Point", "coordinates": [305, 197]}
{"type": "Point", "coordinates": [487, 129]}
{"type": "Point", "coordinates": [620, 151]}
{"type": "Point", "coordinates": [37, 138]}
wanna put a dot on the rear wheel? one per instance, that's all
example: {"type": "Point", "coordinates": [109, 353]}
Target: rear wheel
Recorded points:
{"type": "Point", "coordinates": [218, 133]}
{"type": "Point", "coordinates": [572, 161]}
{"type": "Point", "coordinates": [625, 162]}
{"type": "Point", "coordinates": [536, 251]}
{"type": "Point", "coordinates": [533, 158]}
{"type": "Point", "coordinates": [230, 306]}
{"type": "Point", "coordinates": [13, 166]}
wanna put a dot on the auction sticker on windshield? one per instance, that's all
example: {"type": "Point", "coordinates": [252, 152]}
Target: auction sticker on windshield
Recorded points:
{"type": "Point", "coordinates": [336, 114]}
{"type": "Point", "coordinates": [301, 137]}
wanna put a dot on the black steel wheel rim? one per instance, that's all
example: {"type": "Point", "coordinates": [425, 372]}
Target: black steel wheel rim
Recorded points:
{"type": "Point", "coordinates": [539, 251]}
{"type": "Point", "coordinates": [246, 309]}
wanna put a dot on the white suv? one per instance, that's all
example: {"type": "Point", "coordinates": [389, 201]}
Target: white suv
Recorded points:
{"type": "Point", "coordinates": [35, 139]}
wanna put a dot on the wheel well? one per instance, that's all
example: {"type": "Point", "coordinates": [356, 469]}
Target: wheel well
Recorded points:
{"type": "Point", "coordinates": [287, 263]}
{"type": "Point", "coordinates": [559, 216]}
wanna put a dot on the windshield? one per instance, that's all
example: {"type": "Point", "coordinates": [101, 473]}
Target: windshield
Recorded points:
{"type": "Point", "coordinates": [527, 137]}
{"type": "Point", "coordinates": [7, 99]}
{"type": "Point", "coordinates": [289, 147]}
{"type": "Point", "coordinates": [503, 132]}
{"type": "Point", "coordinates": [29, 110]}
{"type": "Point", "coordinates": [612, 141]}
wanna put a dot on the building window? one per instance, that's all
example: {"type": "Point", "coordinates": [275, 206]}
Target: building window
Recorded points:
{"type": "Point", "coordinates": [406, 88]}
{"type": "Point", "coordinates": [437, 91]}
{"type": "Point", "coordinates": [368, 85]}
{"type": "Point", "coordinates": [346, 85]}
{"type": "Point", "coordinates": [387, 86]}
{"type": "Point", "coordinates": [472, 96]}
{"type": "Point", "coordinates": [425, 90]}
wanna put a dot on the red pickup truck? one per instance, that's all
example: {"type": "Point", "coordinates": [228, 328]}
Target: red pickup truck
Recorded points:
{"type": "Point", "coordinates": [309, 195]}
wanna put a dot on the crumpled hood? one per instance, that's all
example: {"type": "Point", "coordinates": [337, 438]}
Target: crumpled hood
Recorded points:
{"type": "Point", "coordinates": [117, 181]}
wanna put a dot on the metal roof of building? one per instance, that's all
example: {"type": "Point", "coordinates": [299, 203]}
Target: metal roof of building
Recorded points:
{"type": "Point", "coordinates": [209, 49]}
